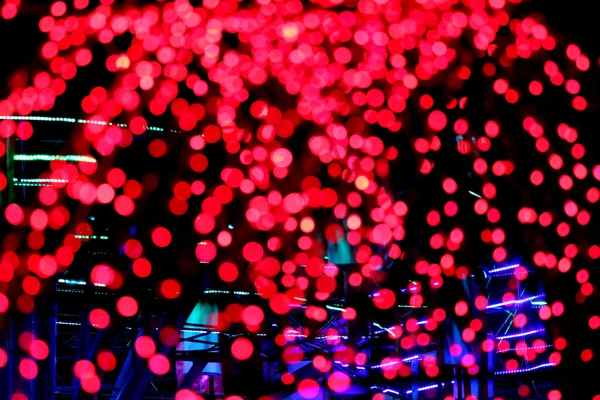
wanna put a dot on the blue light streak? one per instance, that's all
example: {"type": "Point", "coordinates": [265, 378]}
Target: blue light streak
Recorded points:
{"type": "Point", "coordinates": [508, 267]}
{"type": "Point", "coordinates": [514, 302]}
{"type": "Point", "coordinates": [524, 370]}
{"type": "Point", "coordinates": [525, 348]}
{"type": "Point", "coordinates": [516, 335]}
{"type": "Point", "coordinates": [385, 329]}
{"type": "Point", "coordinates": [429, 387]}
{"type": "Point", "coordinates": [335, 308]}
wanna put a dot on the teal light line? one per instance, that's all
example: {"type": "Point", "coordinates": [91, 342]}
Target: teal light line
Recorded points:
{"type": "Point", "coordinates": [51, 157]}
{"type": "Point", "coordinates": [75, 121]}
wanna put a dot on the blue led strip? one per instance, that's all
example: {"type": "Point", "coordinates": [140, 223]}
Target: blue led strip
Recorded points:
{"type": "Point", "coordinates": [524, 348]}
{"type": "Point", "coordinates": [515, 302]}
{"type": "Point", "coordinates": [508, 267]}
{"type": "Point", "coordinates": [525, 370]}
{"type": "Point", "coordinates": [516, 335]}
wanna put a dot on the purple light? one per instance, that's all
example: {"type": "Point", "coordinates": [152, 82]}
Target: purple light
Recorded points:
{"type": "Point", "coordinates": [296, 305]}
{"type": "Point", "coordinates": [520, 334]}
{"type": "Point", "coordinates": [523, 370]}
{"type": "Point", "coordinates": [511, 302]}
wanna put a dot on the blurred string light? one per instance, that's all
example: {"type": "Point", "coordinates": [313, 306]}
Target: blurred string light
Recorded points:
{"type": "Point", "coordinates": [39, 182]}
{"type": "Point", "coordinates": [505, 268]}
{"type": "Point", "coordinates": [391, 331]}
{"type": "Point", "coordinates": [68, 323]}
{"type": "Point", "coordinates": [50, 157]}
{"type": "Point", "coordinates": [404, 360]}
{"type": "Point", "coordinates": [87, 237]}
{"type": "Point", "coordinates": [73, 121]}
{"type": "Point", "coordinates": [428, 387]}
{"type": "Point", "coordinates": [530, 345]}
{"type": "Point", "coordinates": [539, 303]}
{"type": "Point", "coordinates": [525, 370]}
{"type": "Point", "coordinates": [351, 78]}
{"type": "Point", "coordinates": [515, 302]}
{"type": "Point", "coordinates": [521, 334]}
{"type": "Point", "coordinates": [525, 348]}
{"type": "Point", "coordinates": [78, 282]}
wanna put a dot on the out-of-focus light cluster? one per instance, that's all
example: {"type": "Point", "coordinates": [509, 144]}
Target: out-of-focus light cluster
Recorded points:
{"type": "Point", "coordinates": [363, 88]}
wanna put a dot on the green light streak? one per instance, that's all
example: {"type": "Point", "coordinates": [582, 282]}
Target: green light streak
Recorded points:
{"type": "Point", "coordinates": [32, 184]}
{"type": "Point", "coordinates": [41, 180]}
{"type": "Point", "coordinates": [51, 157]}
{"type": "Point", "coordinates": [539, 303]}
{"type": "Point", "coordinates": [75, 121]}
{"type": "Point", "coordinates": [37, 182]}
{"type": "Point", "coordinates": [91, 237]}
